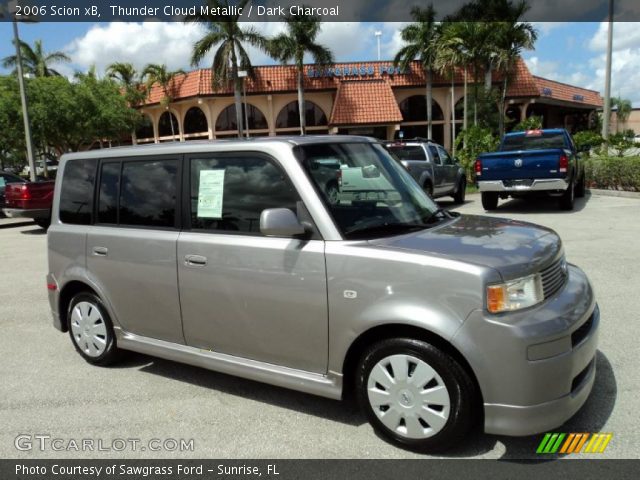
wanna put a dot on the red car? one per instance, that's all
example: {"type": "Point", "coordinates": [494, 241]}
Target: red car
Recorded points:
{"type": "Point", "coordinates": [30, 200]}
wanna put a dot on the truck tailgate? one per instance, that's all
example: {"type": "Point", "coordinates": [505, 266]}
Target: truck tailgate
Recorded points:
{"type": "Point", "coordinates": [521, 164]}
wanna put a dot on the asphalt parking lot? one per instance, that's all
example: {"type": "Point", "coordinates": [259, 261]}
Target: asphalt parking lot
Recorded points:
{"type": "Point", "coordinates": [46, 388]}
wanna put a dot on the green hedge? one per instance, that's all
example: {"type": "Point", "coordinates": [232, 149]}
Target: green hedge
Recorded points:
{"type": "Point", "coordinates": [613, 173]}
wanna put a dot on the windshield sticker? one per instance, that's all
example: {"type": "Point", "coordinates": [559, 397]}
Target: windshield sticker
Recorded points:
{"type": "Point", "coordinates": [210, 193]}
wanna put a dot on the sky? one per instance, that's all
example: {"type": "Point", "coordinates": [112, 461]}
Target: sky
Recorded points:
{"type": "Point", "coordinates": [568, 52]}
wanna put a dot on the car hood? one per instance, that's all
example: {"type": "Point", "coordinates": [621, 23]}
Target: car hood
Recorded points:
{"type": "Point", "coordinates": [511, 247]}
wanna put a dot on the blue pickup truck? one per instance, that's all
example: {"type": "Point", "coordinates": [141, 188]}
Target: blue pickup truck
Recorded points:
{"type": "Point", "coordinates": [530, 162]}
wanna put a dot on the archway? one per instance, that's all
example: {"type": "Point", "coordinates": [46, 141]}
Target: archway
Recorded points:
{"type": "Point", "coordinates": [195, 122]}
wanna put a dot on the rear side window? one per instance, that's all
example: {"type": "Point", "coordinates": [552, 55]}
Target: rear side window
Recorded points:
{"type": "Point", "coordinates": [138, 193]}
{"type": "Point", "coordinates": [76, 193]}
{"type": "Point", "coordinates": [230, 193]}
{"type": "Point", "coordinates": [408, 152]}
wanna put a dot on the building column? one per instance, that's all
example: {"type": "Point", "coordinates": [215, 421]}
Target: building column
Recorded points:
{"type": "Point", "coordinates": [523, 110]}
{"type": "Point", "coordinates": [271, 121]}
{"type": "Point", "coordinates": [155, 119]}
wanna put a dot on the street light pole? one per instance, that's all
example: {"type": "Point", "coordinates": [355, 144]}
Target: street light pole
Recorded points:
{"type": "Point", "coordinates": [25, 110]}
{"type": "Point", "coordinates": [378, 34]}
{"type": "Point", "coordinates": [607, 79]}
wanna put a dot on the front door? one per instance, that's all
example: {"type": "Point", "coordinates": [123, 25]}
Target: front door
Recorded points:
{"type": "Point", "coordinates": [450, 169]}
{"type": "Point", "coordinates": [241, 293]}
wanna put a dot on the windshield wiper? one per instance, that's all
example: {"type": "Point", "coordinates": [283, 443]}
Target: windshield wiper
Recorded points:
{"type": "Point", "coordinates": [439, 212]}
{"type": "Point", "coordinates": [385, 229]}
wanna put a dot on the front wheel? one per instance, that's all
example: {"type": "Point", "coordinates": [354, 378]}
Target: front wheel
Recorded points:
{"type": "Point", "coordinates": [91, 329]}
{"type": "Point", "coordinates": [489, 200]}
{"type": "Point", "coordinates": [415, 395]}
{"type": "Point", "coordinates": [458, 197]}
{"type": "Point", "coordinates": [581, 187]}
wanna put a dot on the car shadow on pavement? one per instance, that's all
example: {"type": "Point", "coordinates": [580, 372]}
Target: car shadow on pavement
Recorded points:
{"type": "Point", "coordinates": [15, 224]}
{"type": "Point", "coordinates": [591, 418]}
{"type": "Point", "coordinates": [344, 412]}
{"type": "Point", "coordinates": [539, 204]}
{"type": "Point", "coordinates": [34, 231]}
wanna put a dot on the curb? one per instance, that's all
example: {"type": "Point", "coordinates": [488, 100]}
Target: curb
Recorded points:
{"type": "Point", "coordinates": [614, 193]}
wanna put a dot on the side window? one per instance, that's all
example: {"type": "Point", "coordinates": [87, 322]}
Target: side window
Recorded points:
{"type": "Point", "coordinates": [3, 182]}
{"type": "Point", "coordinates": [434, 154]}
{"type": "Point", "coordinates": [148, 193]}
{"type": "Point", "coordinates": [76, 193]}
{"type": "Point", "coordinates": [108, 193]}
{"type": "Point", "coordinates": [446, 159]}
{"type": "Point", "coordinates": [230, 193]}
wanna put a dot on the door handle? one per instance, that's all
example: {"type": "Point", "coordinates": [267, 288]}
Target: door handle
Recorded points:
{"type": "Point", "coordinates": [195, 260]}
{"type": "Point", "coordinates": [100, 251]}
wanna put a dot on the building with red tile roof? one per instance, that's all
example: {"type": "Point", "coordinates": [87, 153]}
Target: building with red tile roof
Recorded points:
{"type": "Point", "coordinates": [366, 98]}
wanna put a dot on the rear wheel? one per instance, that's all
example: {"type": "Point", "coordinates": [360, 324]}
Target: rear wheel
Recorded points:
{"type": "Point", "coordinates": [415, 395]}
{"type": "Point", "coordinates": [581, 187]}
{"type": "Point", "coordinates": [459, 196]}
{"type": "Point", "coordinates": [91, 329]}
{"type": "Point", "coordinates": [568, 197]}
{"type": "Point", "coordinates": [489, 200]}
{"type": "Point", "coordinates": [43, 222]}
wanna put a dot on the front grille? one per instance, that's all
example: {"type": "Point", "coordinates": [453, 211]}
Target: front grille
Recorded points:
{"type": "Point", "coordinates": [554, 277]}
{"type": "Point", "coordinates": [581, 333]}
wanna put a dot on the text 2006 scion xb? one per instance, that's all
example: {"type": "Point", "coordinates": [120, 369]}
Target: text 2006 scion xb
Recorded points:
{"type": "Point", "coordinates": [318, 264]}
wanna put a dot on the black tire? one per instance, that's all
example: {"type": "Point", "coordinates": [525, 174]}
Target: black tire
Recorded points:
{"type": "Point", "coordinates": [581, 187]}
{"type": "Point", "coordinates": [489, 200]}
{"type": "Point", "coordinates": [110, 354]}
{"type": "Point", "coordinates": [460, 194]}
{"type": "Point", "coordinates": [428, 188]}
{"type": "Point", "coordinates": [333, 192]}
{"type": "Point", "coordinates": [567, 199]}
{"type": "Point", "coordinates": [43, 222]}
{"type": "Point", "coordinates": [459, 387]}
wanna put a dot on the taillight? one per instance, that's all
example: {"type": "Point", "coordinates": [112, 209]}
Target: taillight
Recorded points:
{"type": "Point", "coordinates": [339, 178]}
{"type": "Point", "coordinates": [25, 193]}
{"type": "Point", "coordinates": [563, 164]}
{"type": "Point", "coordinates": [478, 167]}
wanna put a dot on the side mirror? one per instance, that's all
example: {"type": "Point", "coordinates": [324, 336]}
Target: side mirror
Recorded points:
{"type": "Point", "coordinates": [280, 222]}
{"type": "Point", "coordinates": [456, 160]}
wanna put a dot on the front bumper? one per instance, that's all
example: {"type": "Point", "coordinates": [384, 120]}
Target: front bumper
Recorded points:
{"type": "Point", "coordinates": [535, 368]}
{"type": "Point", "coordinates": [539, 185]}
{"type": "Point", "coordinates": [27, 213]}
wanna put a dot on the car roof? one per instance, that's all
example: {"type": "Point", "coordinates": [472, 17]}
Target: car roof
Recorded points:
{"type": "Point", "coordinates": [228, 144]}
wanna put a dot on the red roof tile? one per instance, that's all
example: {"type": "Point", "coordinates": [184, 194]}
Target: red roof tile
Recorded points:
{"type": "Point", "coordinates": [282, 78]}
{"type": "Point", "coordinates": [568, 93]}
{"type": "Point", "coordinates": [365, 102]}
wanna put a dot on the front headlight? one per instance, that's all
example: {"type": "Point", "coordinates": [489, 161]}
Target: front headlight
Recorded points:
{"type": "Point", "coordinates": [515, 295]}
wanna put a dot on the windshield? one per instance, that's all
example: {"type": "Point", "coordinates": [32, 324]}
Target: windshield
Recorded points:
{"type": "Point", "coordinates": [366, 191]}
{"type": "Point", "coordinates": [535, 140]}
{"type": "Point", "coordinates": [408, 152]}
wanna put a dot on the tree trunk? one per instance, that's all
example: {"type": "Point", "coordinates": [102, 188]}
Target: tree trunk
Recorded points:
{"type": "Point", "coordinates": [502, 105]}
{"type": "Point", "coordinates": [464, 114]}
{"type": "Point", "coordinates": [301, 108]}
{"type": "Point", "coordinates": [487, 78]}
{"type": "Point", "coordinates": [237, 94]}
{"type": "Point", "coordinates": [453, 113]}
{"type": "Point", "coordinates": [429, 105]}
{"type": "Point", "coordinates": [475, 96]}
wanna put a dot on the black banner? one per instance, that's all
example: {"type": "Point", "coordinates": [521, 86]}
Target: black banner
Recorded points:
{"type": "Point", "coordinates": [329, 10]}
{"type": "Point", "coordinates": [315, 469]}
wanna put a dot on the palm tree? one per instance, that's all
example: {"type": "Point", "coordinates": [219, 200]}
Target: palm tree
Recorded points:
{"type": "Point", "coordinates": [36, 61]}
{"type": "Point", "coordinates": [623, 110]}
{"type": "Point", "coordinates": [127, 76]}
{"type": "Point", "coordinates": [421, 43]}
{"type": "Point", "coordinates": [300, 39]}
{"type": "Point", "coordinates": [226, 35]}
{"type": "Point", "coordinates": [154, 73]}
{"type": "Point", "coordinates": [510, 39]}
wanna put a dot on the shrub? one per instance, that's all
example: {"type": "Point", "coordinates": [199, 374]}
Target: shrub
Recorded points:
{"type": "Point", "coordinates": [613, 173]}
{"type": "Point", "coordinates": [587, 137]}
{"type": "Point", "coordinates": [532, 123]}
{"type": "Point", "coordinates": [476, 140]}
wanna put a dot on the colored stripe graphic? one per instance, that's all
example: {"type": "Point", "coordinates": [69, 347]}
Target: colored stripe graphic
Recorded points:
{"type": "Point", "coordinates": [574, 443]}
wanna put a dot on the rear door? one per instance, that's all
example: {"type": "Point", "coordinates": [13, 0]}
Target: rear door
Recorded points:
{"type": "Point", "coordinates": [439, 170]}
{"type": "Point", "coordinates": [244, 294]}
{"type": "Point", "coordinates": [131, 249]}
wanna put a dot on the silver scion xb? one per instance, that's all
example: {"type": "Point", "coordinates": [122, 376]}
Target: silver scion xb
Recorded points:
{"type": "Point", "coordinates": [319, 264]}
